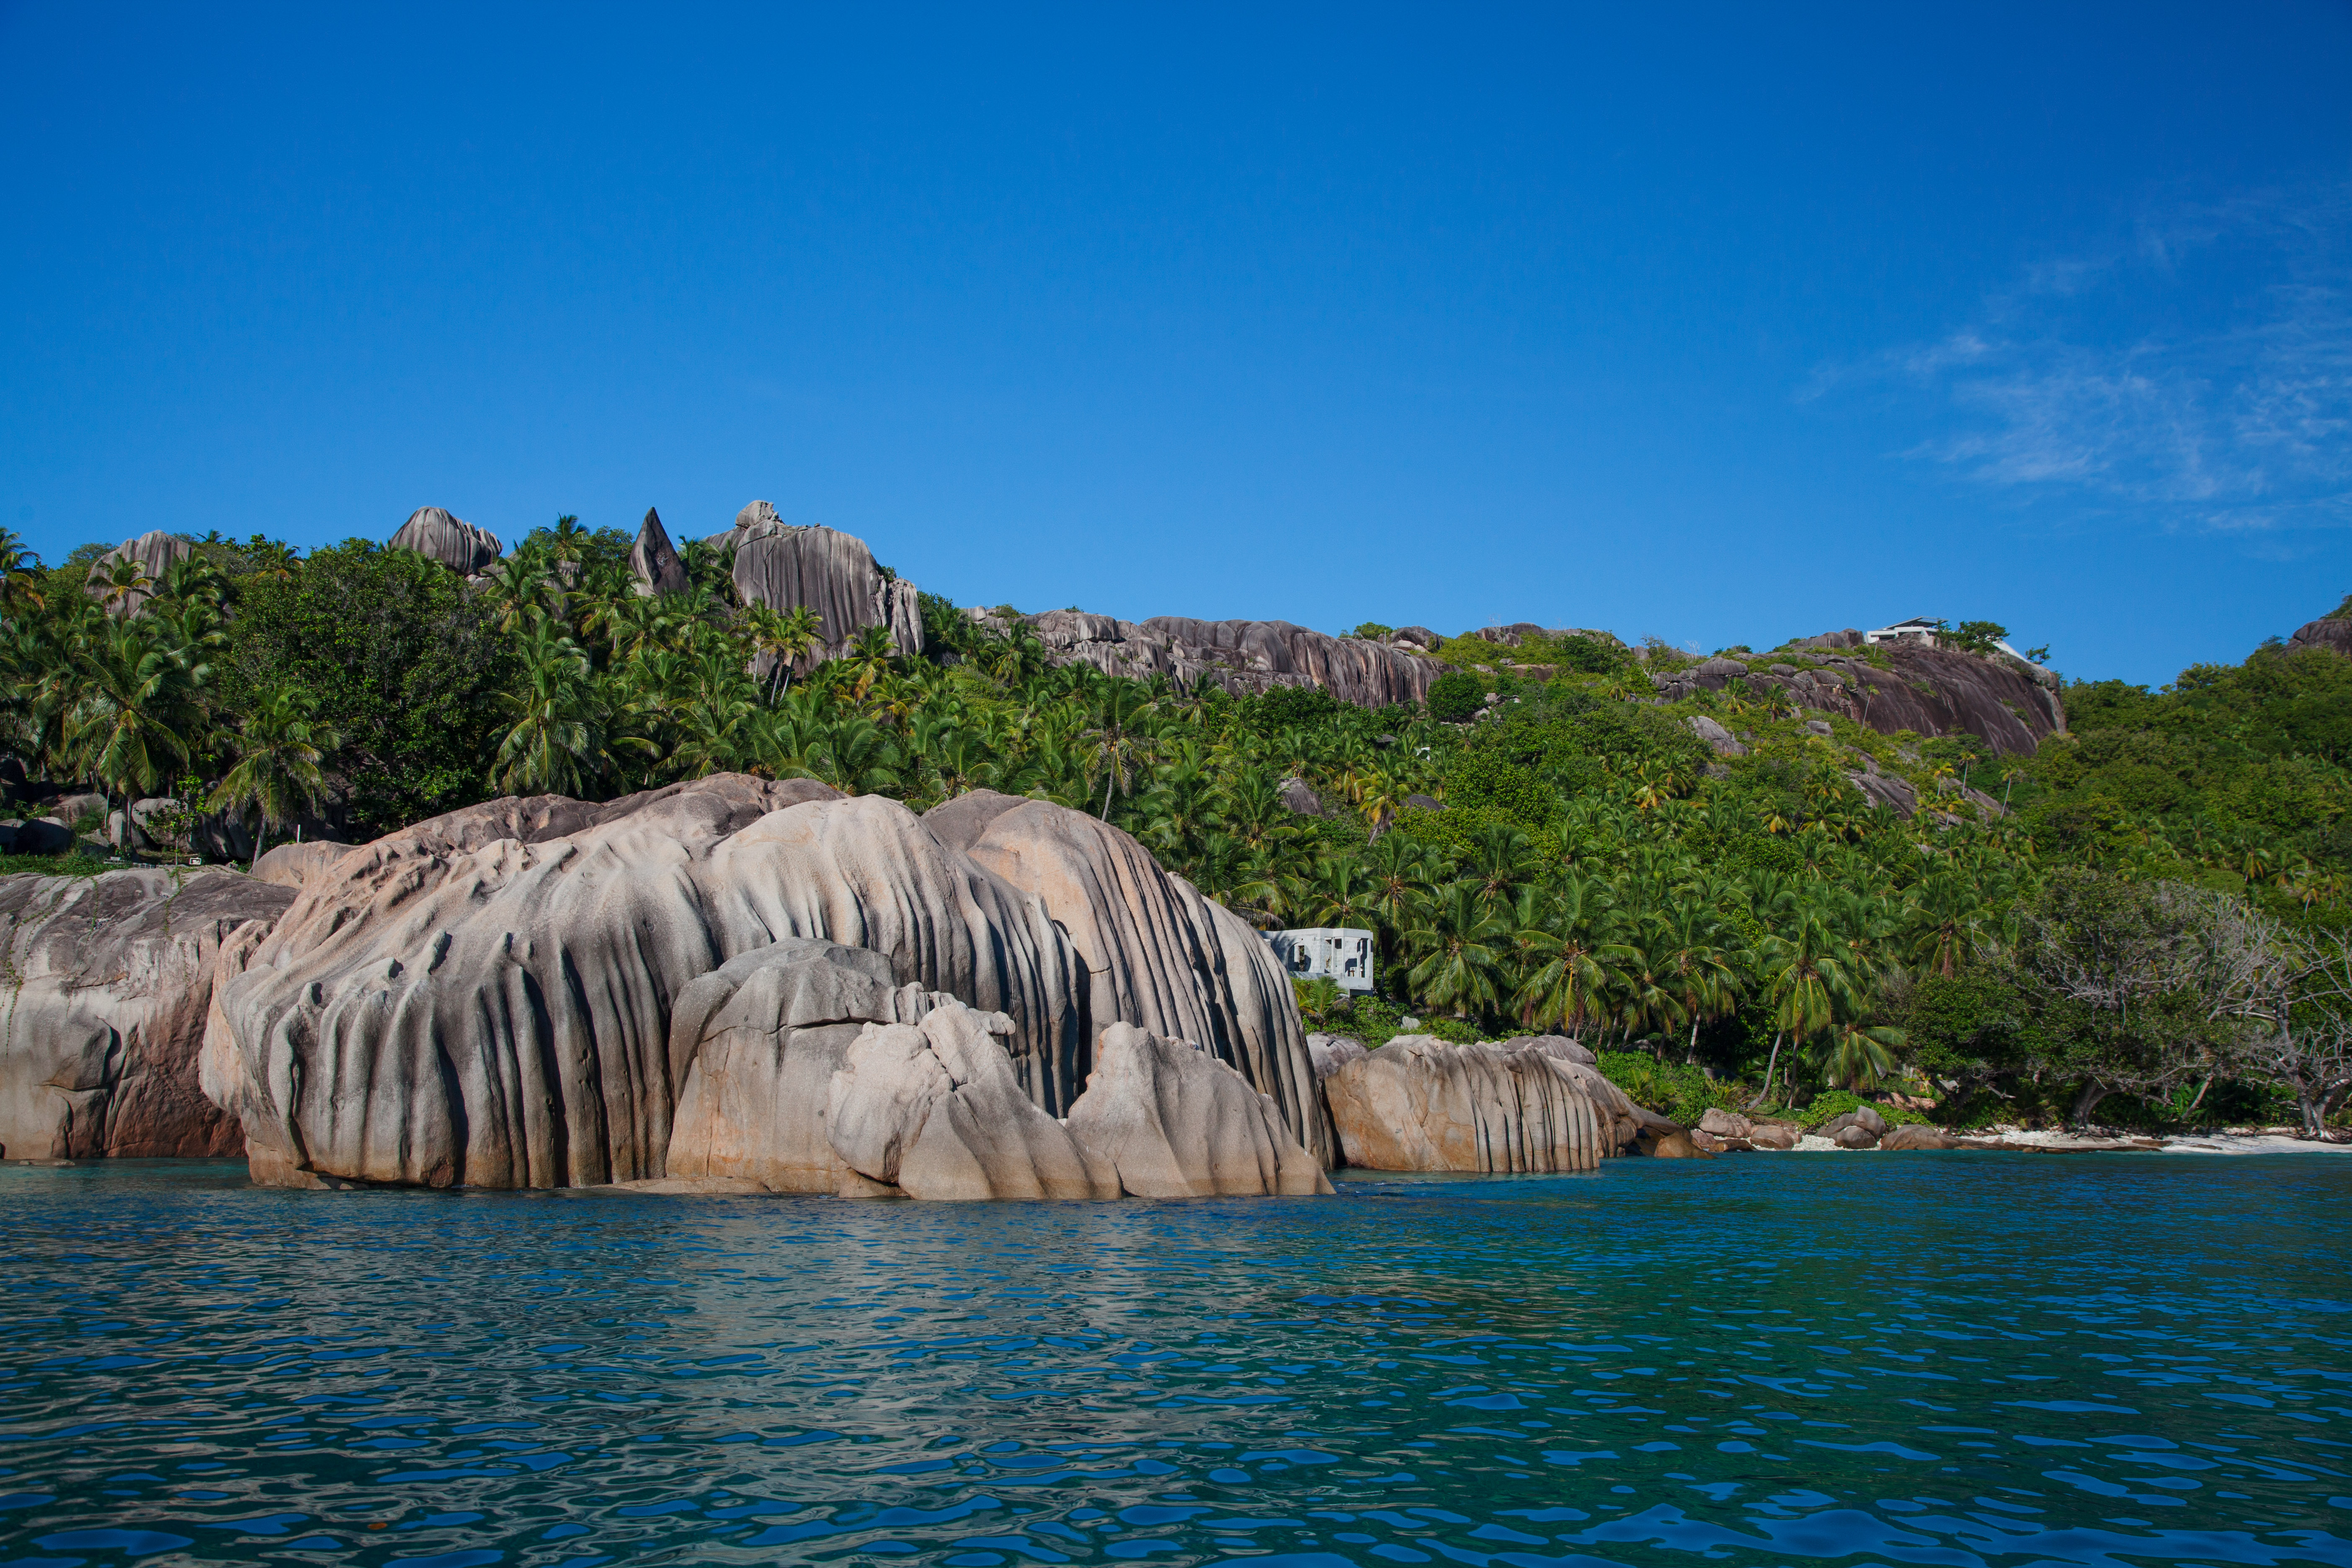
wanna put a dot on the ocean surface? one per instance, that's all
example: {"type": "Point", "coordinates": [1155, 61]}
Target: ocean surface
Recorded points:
{"type": "Point", "coordinates": [1943, 1359]}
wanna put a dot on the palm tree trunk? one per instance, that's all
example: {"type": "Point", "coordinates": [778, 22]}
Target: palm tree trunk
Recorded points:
{"type": "Point", "coordinates": [1766, 1092]}
{"type": "Point", "coordinates": [260, 833]}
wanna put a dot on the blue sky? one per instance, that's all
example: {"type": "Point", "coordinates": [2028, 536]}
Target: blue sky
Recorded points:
{"type": "Point", "coordinates": [1717, 324]}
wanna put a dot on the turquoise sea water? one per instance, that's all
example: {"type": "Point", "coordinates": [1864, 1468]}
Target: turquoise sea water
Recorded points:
{"type": "Point", "coordinates": [1925, 1359]}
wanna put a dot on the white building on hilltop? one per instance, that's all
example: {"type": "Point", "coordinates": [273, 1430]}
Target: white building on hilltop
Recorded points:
{"type": "Point", "coordinates": [1919, 628]}
{"type": "Point", "coordinates": [1332, 952]}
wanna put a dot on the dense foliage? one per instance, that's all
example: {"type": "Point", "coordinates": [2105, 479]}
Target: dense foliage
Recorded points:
{"type": "Point", "coordinates": [2141, 921]}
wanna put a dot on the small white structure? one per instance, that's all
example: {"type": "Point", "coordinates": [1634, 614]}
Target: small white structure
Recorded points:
{"type": "Point", "coordinates": [1919, 628]}
{"type": "Point", "coordinates": [1334, 952]}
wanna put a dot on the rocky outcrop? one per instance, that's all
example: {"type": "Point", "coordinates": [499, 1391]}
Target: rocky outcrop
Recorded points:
{"type": "Point", "coordinates": [546, 992]}
{"type": "Point", "coordinates": [109, 982]}
{"type": "Point", "coordinates": [2329, 632]}
{"type": "Point", "coordinates": [1915, 1136]}
{"type": "Point", "coordinates": [1175, 1122]}
{"type": "Point", "coordinates": [1419, 1104]}
{"type": "Point", "coordinates": [2009, 704]}
{"type": "Point", "coordinates": [295, 865]}
{"type": "Point", "coordinates": [654, 561]}
{"type": "Point", "coordinates": [1154, 952]}
{"type": "Point", "coordinates": [156, 553]}
{"type": "Point", "coordinates": [460, 546]}
{"type": "Point", "coordinates": [1239, 655]}
{"type": "Point", "coordinates": [1719, 739]}
{"type": "Point", "coordinates": [1329, 1053]}
{"type": "Point", "coordinates": [784, 566]}
{"type": "Point", "coordinates": [935, 1110]}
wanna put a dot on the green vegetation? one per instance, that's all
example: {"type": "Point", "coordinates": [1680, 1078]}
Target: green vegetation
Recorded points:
{"type": "Point", "coordinates": [2152, 934]}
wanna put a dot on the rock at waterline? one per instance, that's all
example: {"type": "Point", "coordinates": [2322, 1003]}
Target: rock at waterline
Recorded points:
{"type": "Point", "coordinates": [112, 982]}
{"type": "Point", "coordinates": [1419, 1104]}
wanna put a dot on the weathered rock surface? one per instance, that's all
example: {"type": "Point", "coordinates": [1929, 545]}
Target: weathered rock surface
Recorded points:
{"type": "Point", "coordinates": [1865, 1118]}
{"type": "Point", "coordinates": [460, 546]}
{"type": "Point", "coordinates": [1175, 1122]}
{"type": "Point", "coordinates": [1239, 655]}
{"type": "Point", "coordinates": [753, 1048]}
{"type": "Point", "coordinates": [784, 566]}
{"type": "Point", "coordinates": [1854, 1137]}
{"type": "Point", "coordinates": [1558, 1045]}
{"type": "Point", "coordinates": [1330, 1052]}
{"type": "Point", "coordinates": [936, 1110]}
{"type": "Point", "coordinates": [1299, 797]}
{"type": "Point", "coordinates": [294, 865]}
{"type": "Point", "coordinates": [653, 560]}
{"type": "Point", "coordinates": [1917, 1136]}
{"type": "Point", "coordinates": [112, 981]}
{"type": "Point", "coordinates": [1721, 1123]}
{"type": "Point", "coordinates": [1719, 739]}
{"type": "Point", "coordinates": [1419, 1104]}
{"type": "Point", "coordinates": [1771, 1135]}
{"type": "Point", "coordinates": [1155, 952]}
{"type": "Point", "coordinates": [499, 997]}
{"type": "Point", "coordinates": [1934, 692]}
{"type": "Point", "coordinates": [2327, 633]}
{"type": "Point", "coordinates": [156, 552]}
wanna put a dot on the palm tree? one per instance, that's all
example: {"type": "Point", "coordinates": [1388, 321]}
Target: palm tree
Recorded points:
{"type": "Point", "coordinates": [123, 586]}
{"type": "Point", "coordinates": [1117, 731]}
{"type": "Point", "coordinates": [1463, 948]}
{"type": "Point", "coordinates": [278, 751]}
{"type": "Point", "coordinates": [136, 710]}
{"type": "Point", "coordinates": [1854, 1056]}
{"type": "Point", "coordinates": [556, 744]}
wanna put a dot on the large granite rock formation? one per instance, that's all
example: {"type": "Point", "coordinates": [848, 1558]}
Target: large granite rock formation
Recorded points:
{"type": "Point", "coordinates": [2333, 631]}
{"type": "Point", "coordinates": [156, 552]}
{"type": "Point", "coordinates": [431, 531]}
{"type": "Point", "coordinates": [1930, 691]}
{"type": "Point", "coordinates": [521, 993]}
{"type": "Point", "coordinates": [654, 561]}
{"type": "Point", "coordinates": [109, 982]}
{"type": "Point", "coordinates": [1239, 655]}
{"type": "Point", "coordinates": [1154, 951]}
{"type": "Point", "coordinates": [784, 566]}
{"type": "Point", "coordinates": [1172, 1122]}
{"type": "Point", "coordinates": [1421, 1104]}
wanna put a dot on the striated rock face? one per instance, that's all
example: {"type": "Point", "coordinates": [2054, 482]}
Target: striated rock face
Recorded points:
{"type": "Point", "coordinates": [293, 865]}
{"type": "Point", "coordinates": [545, 993]}
{"type": "Point", "coordinates": [2328, 633]}
{"type": "Point", "coordinates": [1419, 1104]}
{"type": "Point", "coordinates": [1239, 655]}
{"type": "Point", "coordinates": [653, 560]}
{"type": "Point", "coordinates": [936, 1110]}
{"type": "Point", "coordinates": [1175, 1122]}
{"type": "Point", "coordinates": [1154, 951]}
{"type": "Point", "coordinates": [783, 566]}
{"type": "Point", "coordinates": [156, 552]}
{"type": "Point", "coordinates": [460, 546]}
{"type": "Point", "coordinates": [1931, 691]}
{"type": "Point", "coordinates": [112, 980]}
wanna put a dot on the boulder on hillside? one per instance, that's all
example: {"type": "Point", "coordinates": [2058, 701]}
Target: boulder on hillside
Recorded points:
{"type": "Point", "coordinates": [2009, 704]}
{"type": "Point", "coordinates": [39, 835]}
{"type": "Point", "coordinates": [1175, 1122]}
{"type": "Point", "coordinates": [654, 561]}
{"type": "Point", "coordinates": [2329, 632]}
{"type": "Point", "coordinates": [156, 552]}
{"type": "Point", "coordinates": [784, 566]}
{"type": "Point", "coordinates": [1419, 1104]}
{"type": "Point", "coordinates": [432, 532]}
{"type": "Point", "coordinates": [1239, 655]}
{"type": "Point", "coordinates": [1719, 739]}
{"type": "Point", "coordinates": [1299, 797]}
{"type": "Point", "coordinates": [73, 810]}
{"type": "Point", "coordinates": [112, 981]}
{"type": "Point", "coordinates": [499, 997]}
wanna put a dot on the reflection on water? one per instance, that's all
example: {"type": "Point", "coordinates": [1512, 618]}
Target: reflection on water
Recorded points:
{"type": "Point", "coordinates": [1925, 1359]}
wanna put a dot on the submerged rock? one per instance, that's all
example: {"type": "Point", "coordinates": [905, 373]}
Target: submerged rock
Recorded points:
{"type": "Point", "coordinates": [111, 983]}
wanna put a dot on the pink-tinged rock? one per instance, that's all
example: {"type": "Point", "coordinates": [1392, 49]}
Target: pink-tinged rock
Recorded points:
{"type": "Point", "coordinates": [1419, 1104]}
{"type": "Point", "coordinates": [1175, 1122]}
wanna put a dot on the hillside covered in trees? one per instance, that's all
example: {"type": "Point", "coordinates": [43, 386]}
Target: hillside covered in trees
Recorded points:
{"type": "Point", "coordinates": [1746, 895]}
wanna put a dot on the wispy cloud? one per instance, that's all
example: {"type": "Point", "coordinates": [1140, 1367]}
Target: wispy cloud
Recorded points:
{"type": "Point", "coordinates": [2198, 376]}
